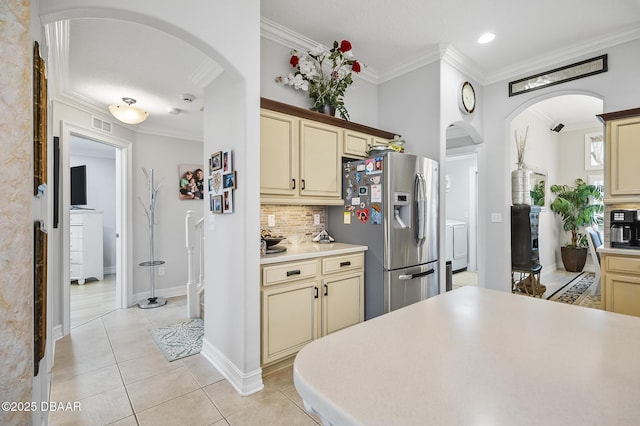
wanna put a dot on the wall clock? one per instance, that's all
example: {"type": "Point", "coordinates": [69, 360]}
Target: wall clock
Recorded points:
{"type": "Point", "coordinates": [466, 98]}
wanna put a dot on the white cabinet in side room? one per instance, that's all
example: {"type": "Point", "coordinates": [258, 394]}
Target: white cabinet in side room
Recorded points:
{"type": "Point", "coordinates": [621, 284]}
{"type": "Point", "coordinates": [86, 235]}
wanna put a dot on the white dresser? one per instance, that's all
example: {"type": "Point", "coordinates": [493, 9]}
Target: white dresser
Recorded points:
{"type": "Point", "coordinates": [86, 245]}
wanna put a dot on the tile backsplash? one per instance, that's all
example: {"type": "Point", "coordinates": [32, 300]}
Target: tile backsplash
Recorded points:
{"type": "Point", "coordinates": [293, 222]}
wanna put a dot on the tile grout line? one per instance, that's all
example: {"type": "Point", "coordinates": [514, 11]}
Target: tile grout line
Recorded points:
{"type": "Point", "coordinates": [126, 390]}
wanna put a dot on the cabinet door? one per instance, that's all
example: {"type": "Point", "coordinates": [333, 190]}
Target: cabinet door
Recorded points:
{"type": "Point", "coordinates": [320, 153]}
{"type": "Point", "coordinates": [356, 144]}
{"type": "Point", "coordinates": [342, 302]}
{"type": "Point", "coordinates": [622, 294]}
{"type": "Point", "coordinates": [623, 153]}
{"type": "Point", "coordinates": [289, 319]}
{"type": "Point", "coordinates": [278, 154]}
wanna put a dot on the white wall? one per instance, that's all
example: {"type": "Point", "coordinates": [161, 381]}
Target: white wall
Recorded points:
{"type": "Point", "coordinates": [500, 109]}
{"type": "Point", "coordinates": [163, 155]}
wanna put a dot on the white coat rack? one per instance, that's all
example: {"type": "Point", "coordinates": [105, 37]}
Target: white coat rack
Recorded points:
{"type": "Point", "coordinates": [153, 301]}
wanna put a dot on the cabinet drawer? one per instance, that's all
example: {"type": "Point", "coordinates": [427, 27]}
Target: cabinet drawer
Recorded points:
{"type": "Point", "coordinates": [75, 244]}
{"type": "Point", "coordinates": [77, 271]}
{"type": "Point", "coordinates": [622, 264]}
{"type": "Point", "coordinates": [287, 272]}
{"type": "Point", "coordinates": [75, 232]}
{"type": "Point", "coordinates": [76, 257]}
{"type": "Point", "coordinates": [342, 263]}
{"type": "Point", "coordinates": [75, 219]}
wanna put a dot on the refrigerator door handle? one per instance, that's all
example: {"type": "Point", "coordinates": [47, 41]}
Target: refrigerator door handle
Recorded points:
{"type": "Point", "coordinates": [418, 275]}
{"type": "Point", "coordinates": [420, 197]}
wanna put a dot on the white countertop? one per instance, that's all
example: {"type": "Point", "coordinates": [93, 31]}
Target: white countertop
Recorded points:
{"type": "Point", "coordinates": [311, 250]}
{"type": "Point", "coordinates": [622, 251]}
{"type": "Point", "coordinates": [477, 357]}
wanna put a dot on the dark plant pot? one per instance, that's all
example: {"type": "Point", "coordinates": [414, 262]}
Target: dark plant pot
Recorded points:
{"type": "Point", "coordinates": [574, 258]}
{"type": "Point", "coordinates": [327, 109]}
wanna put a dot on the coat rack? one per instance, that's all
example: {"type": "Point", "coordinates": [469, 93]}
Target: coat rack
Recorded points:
{"type": "Point", "coordinates": [153, 301]}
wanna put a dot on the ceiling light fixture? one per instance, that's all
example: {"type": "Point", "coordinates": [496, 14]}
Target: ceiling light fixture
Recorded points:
{"type": "Point", "coordinates": [128, 113]}
{"type": "Point", "coordinates": [486, 38]}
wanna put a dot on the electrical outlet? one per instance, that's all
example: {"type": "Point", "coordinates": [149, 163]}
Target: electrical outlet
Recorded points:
{"type": "Point", "coordinates": [316, 219]}
{"type": "Point", "coordinates": [271, 220]}
{"type": "Point", "coordinates": [161, 271]}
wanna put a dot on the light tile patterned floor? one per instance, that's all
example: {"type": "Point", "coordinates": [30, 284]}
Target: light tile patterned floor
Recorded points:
{"type": "Point", "coordinates": [114, 369]}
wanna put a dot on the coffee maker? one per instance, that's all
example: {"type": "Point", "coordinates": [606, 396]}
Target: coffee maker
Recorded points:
{"type": "Point", "coordinates": [625, 228]}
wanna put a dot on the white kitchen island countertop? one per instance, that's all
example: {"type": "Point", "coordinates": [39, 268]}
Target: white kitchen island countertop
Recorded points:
{"type": "Point", "coordinates": [477, 357]}
{"type": "Point", "coordinates": [310, 251]}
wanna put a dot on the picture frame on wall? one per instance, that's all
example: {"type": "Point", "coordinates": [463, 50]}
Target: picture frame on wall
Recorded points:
{"type": "Point", "coordinates": [215, 162]}
{"type": "Point", "coordinates": [229, 180]}
{"type": "Point", "coordinates": [227, 164]}
{"type": "Point", "coordinates": [216, 204]}
{"type": "Point", "coordinates": [227, 201]}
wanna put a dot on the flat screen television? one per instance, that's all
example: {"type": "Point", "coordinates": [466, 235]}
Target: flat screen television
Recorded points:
{"type": "Point", "coordinates": [79, 185]}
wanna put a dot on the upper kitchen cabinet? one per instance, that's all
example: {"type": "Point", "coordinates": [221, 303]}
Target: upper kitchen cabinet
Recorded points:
{"type": "Point", "coordinates": [299, 160]}
{"type": "Point", "coordinates": [357, 145]}
{"type": "Point", "coordinates": [301, 153]}
{"type": "Point", "coordinates": [622, 142]}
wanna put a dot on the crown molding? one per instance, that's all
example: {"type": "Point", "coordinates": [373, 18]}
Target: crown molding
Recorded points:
{"type": "Point", "coordinates": [205, 73]}
{"type": "Point", "coordinates": [459, 61]}
{"type": "Point", "coordinates": [292, 40]}
{"type": "Point", "coordinates": [57, 36]}
{"type": "Point", "coordinates": [553, 58]}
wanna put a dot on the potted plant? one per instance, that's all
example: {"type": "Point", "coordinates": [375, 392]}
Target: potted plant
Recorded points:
{"type": "Point", "coordinates": [576, 206]}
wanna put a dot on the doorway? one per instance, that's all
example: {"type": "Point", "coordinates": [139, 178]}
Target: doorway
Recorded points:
{"type": "Point", "coordinates": [461, 186]}
{"type": "Point", "coordinates": [106, 160]}
{"type": "Point", "coordinates": [93, 267]}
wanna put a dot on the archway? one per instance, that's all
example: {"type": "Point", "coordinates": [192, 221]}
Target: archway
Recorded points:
{"type": "Point", "coordinates": [556, 126]}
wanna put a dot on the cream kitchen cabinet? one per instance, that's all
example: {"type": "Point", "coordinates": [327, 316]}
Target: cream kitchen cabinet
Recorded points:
{"type": "Point", "coordinates": [299, 161]}
{"type": "Point", "coordinates": [86, 245]}
{"type": "Point", "coordinates": [301, 153]}
{"type": "Point", "coordinates": [621, 283]}
{"type": "Point", "coordinates": [306, 299]}
{"type": "Point", "coordinates": [357, 144]}
{"type": "Point", "coordinates": [622, 149]}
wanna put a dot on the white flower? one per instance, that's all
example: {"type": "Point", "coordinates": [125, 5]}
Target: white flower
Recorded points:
{"type": "Point", "coordinates": [307, 67]}
{"type": "Point", "coordinates": [298, 82]}
{"type": "Point", "coordinates": [318, 50]}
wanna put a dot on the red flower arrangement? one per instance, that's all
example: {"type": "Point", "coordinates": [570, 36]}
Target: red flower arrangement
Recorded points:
{"type": "Point", "coordinates": [325, 74]}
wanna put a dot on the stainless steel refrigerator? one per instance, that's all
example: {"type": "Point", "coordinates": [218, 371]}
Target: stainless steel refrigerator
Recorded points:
{"type": "Point", "coordinates": [391, 205]}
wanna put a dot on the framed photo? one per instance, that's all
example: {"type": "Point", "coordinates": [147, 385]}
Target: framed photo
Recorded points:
{"type": "Point", "coordinates": [191, 182]}
{"type": "Point", "coordinates": [594, 151]}
{"type": "Point", "coordinates": [229, 180]}
{"type": "Point", "coordinates": [227, 202]}
{"type": "Point", "coordinates": [227, 165]}
{"type": "Point", "coordinates": [216, 204]}
{"type": "Point", "coordinates": [215, 162]}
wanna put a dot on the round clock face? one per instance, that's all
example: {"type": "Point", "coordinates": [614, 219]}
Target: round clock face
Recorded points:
{"type": "Point", "coordinates": [467, 98]}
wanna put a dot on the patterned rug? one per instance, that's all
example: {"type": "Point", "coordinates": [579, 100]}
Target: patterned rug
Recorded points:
{"type": "Point", "coordinates": [578, 292]}
{"type": "Point", "coordinates": [179, 340]}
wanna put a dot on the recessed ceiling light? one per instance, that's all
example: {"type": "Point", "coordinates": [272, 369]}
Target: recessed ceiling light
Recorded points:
{"type": "Point", "coordinates": [486, 38]}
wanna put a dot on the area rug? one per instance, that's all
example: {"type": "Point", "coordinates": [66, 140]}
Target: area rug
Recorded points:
{"type": "Point", "coordinates": [575, 291]}
{"type": "Point", "coordinates": [179, 340]}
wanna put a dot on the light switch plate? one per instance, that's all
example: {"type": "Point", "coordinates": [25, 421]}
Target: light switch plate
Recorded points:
{"type": "Point", "coordinates": [271, 220]}
{"type": "Point", "coordinates": [496, 217]}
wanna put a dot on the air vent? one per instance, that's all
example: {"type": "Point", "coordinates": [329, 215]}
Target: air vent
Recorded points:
{"type": "Point", "coordinates": [99, 124]}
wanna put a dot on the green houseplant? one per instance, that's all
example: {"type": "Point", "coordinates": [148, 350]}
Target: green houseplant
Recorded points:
{"type": "Point", "coordinates": [576, 206]}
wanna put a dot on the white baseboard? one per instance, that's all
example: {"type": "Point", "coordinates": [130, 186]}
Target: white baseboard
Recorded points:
{"type": "Point", "coordinates": [180, 290]}
{"type": "Point", "coordinates": [244, 383]}
{"type": "Point", "coordinates": [57, 332]}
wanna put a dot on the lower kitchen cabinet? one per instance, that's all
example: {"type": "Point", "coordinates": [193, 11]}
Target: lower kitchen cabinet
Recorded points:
{"type": "Point", "coordinates": [621, 284]}
{"type": "Point", "coordinates": [288, 319]}
{"type": "Point", "coordinates": [307, 299]}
